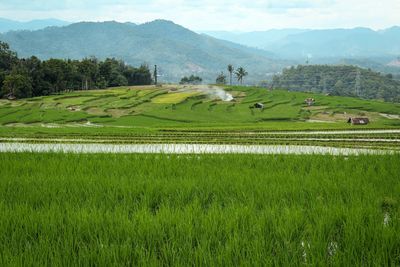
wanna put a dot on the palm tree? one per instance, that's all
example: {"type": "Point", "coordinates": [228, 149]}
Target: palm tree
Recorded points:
{"type": "Point", "coordinates": [230, 69]}
{"type": "Point", "coordinates": [240, 74]}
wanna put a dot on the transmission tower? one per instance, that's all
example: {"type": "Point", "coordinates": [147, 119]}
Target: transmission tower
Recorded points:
{"type": "Point", "coordinates": [357, 86]}
{"type": "Point", "coordinates": [324, 84]}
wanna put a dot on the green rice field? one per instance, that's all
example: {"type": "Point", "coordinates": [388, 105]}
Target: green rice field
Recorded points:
{"type": "Point", "coordinates": [193, 108]}
{"type": "Point", "coordinates": [198, 114]}
{"type": "Point", "coordinates": [62, 209]}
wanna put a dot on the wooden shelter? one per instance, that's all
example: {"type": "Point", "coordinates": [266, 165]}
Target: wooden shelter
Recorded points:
{"type": "Point", "coordinates": [309, 101]}
{"type": "Point", "coordinates": [358, 121]}
{"type": "Point", "coordinates": [259, 105]}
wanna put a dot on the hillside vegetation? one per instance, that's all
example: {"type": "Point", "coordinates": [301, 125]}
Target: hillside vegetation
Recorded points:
{"type": "Point", "coordinates": [364, 47]}
{"type": "Point", "coordinates": [194, 107]}
{"type": "Point", "coordinates": [339, 80]}
{"type": "Point", "coordinates": [176, 50]}
{"type": "Point", "coordinates": [22, 78]}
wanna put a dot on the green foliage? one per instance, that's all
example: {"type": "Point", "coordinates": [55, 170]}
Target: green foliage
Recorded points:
{"type": "Point", "coordinates": [221, 79]}
{"type": "Point", "coordinates": [240, 74]}
{"type": "Point", "coordinates": [206, 210]}
{"type": "Point", "coordinates": [17, 85]}
{"type": "Point", "coordinates": [176, 53]}
{"type": "Point", "coordinates": [150, 108]}
{"type": "Point", "coordinates": [56, 75]}
{"type": "Point", "coordinates": [7, 57]}
{"type": "Point", "coordinates": [191, 80]}
{"type": "Point", "coordinates": [231, 69]}
{"type": "Point", "coordinates": [339, 80]}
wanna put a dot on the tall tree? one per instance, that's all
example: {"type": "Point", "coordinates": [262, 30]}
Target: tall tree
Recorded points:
{"type": "Point", "coordinates": [89, 69]}
{"type": "Point", "coordinates": [230, 70]}
{"type": "Point", "coordinates": [7, 57]}
{"type": "Point", "coordinates": [240, 74]}
{"type": "Point", "coordinates": [17, 85]}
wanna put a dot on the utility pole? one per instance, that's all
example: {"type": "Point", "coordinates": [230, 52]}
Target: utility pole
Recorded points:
{"type": "Point", "coordinates": [155, 74]}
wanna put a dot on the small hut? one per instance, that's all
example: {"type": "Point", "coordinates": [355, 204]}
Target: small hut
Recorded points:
{"type": "Point", "coordinates": [259, 105]}
{"type": "Point", "coordinates": [10, 96]}
{"type": "Point", "coordinates": [309, 101]}
{"type": "Point", "coordinates": [358, 121]}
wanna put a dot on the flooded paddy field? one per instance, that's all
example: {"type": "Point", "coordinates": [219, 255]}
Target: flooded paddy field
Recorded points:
{"type": "Point", "coordinates": [185, 149]}
{"type": "Point", "coordinates": [388, 139]}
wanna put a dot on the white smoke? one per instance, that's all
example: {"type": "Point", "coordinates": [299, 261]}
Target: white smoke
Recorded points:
{"type": "Point", "coordinates": [211, 91]}
{"type": "Point", "coordinates": [221, 94]}
{"type": "Point", "coordinates": [216, 92]}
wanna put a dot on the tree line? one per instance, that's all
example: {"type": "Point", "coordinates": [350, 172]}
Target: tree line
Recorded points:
{"type": "Point", "coordinates": [29, 77]}
{"type": "Point", "coordinates": [192, 79]}
{"type": "Point", "coordinates": [240, 73]}
{"type": "Point", "coordinates": [342, 80]}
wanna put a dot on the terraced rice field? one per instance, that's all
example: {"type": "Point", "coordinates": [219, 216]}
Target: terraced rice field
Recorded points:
{"type": "Point", "coordinates": [195, 108]}
{"type": "Point", "coordinates": [199, 115]}
{"type": "Point", "coordinates": [179, 176]}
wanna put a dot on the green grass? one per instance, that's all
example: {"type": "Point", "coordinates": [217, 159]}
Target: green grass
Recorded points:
{"type": "Point", "coordinates": [226, 210]}
{"type": "Point", "coordinates": [133, 113]}
{"type": "Point", "coordinates": [162, 108]}
{"type": "Point", "coordinates": [172, 98]}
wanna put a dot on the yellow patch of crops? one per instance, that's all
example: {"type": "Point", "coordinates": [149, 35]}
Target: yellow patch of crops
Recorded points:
{"type": "Point", "coordinates": [173, 98]}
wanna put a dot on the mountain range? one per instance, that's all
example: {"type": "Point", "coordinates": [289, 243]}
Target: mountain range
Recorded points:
{"type": "Point", "coordinates": [179, 51]}
{"type": "Point", "coordinates": [330, 43]}
{"type": "Point", "coordinates": [259, 39]}
{"type": "Point", "coordinates": [176, 50]}
{"type": "Point", "coordinates": [13, 25]}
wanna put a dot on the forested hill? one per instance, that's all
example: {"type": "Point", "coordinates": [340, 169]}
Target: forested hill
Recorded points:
{"type": "Point", "coordinates": [176, 50]}
{"type": "Point", "coordinates": [339, 80]}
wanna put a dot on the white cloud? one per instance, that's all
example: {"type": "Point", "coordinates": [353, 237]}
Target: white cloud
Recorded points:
{"type": "Point", "coordinates": [216, 15]}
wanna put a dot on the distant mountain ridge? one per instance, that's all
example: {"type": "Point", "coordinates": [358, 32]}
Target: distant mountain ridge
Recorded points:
{"type": "Point", "coordinates": [329, 43]}
{"type": "Point", "coordinates": [176, 50]}
{"type": "Point", "coordinates": [180, 52]}
{"type": "Point", "coordinates": [259, 39]}
{"type": "Point", "coordinates": [13, 25]}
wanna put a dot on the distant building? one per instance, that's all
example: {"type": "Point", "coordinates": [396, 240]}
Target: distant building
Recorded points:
{"type": "Point", "coordinates": [358, 121]}
{"type": "Point", "coordinates": [309, 101]}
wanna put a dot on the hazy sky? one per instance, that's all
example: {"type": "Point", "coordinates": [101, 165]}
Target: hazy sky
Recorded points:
{"type": "Point", "coordinates": [215, 14]}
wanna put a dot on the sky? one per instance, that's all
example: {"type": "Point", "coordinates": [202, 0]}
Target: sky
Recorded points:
{"type": "Point", "coordinates": [233, 15]}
